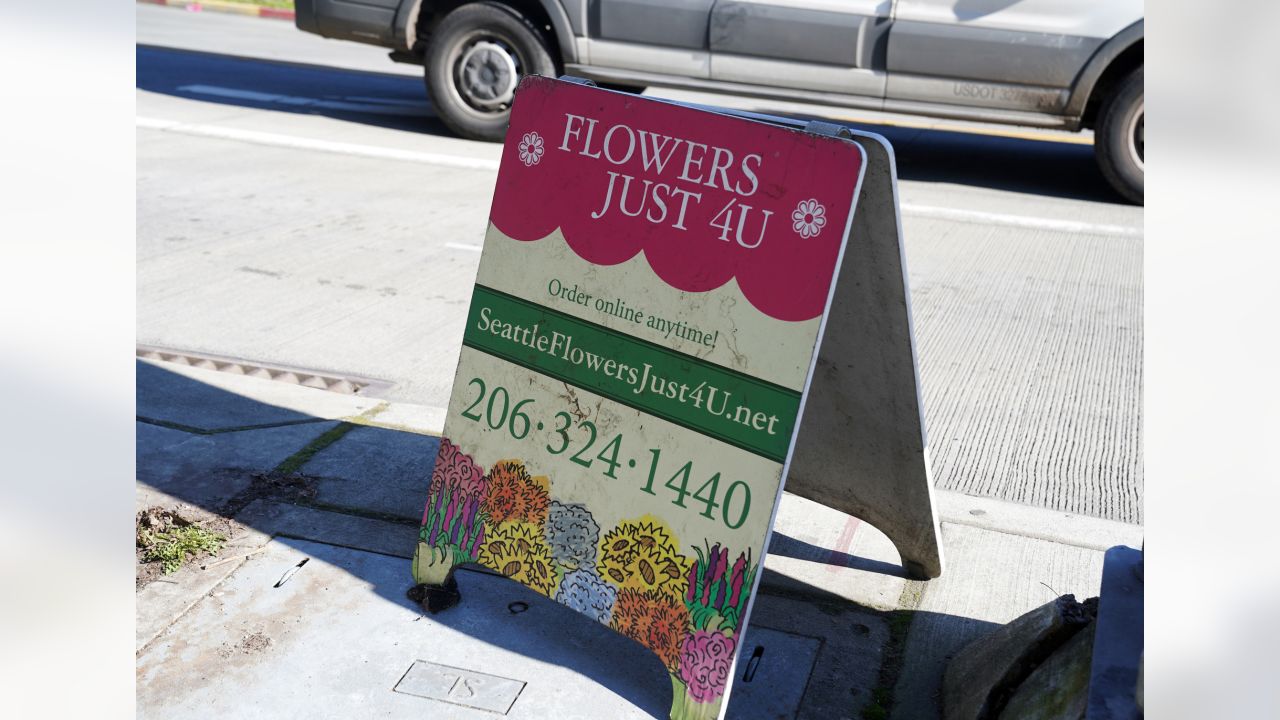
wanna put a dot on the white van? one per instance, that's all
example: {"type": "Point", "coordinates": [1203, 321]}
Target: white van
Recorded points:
{"type": "Point", "coordinates": [1068, 64]}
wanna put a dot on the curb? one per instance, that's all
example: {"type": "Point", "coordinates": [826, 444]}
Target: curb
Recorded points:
{"type": "Point", "coordinates": [225, 7]}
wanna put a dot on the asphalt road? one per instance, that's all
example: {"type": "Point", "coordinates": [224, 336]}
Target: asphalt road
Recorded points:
{"type": "Point", "coordinates": [299, 204]}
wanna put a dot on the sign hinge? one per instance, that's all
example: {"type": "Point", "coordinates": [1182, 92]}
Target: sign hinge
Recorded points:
{"type": "Point", "coordinates": [829, 129]}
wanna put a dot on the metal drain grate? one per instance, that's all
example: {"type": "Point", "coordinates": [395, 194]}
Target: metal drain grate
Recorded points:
{"type": "Point", "coordinates": [345, 384]}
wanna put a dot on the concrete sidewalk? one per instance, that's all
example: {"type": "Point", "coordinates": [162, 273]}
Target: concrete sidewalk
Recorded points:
{"type": "Point", "coordinates": [340, 481]}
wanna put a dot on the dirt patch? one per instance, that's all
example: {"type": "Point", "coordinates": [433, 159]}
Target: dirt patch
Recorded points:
{"type": "Point", "coordinates": [279, 487]}
{"type": "Point", "coordinates": [248, 645]}
{"type": "Point", "coordinates": [175, 536]}
{"type": "Point", "coordinates": [291, 488]}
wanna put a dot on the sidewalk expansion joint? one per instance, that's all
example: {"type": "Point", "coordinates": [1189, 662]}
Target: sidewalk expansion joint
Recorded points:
{"type": "Point", "coordinates": [294, 462]}
{"type": "Point", "coordinates": [221, 431]}
{"type": "Point", "coordinates": [361, 513]}
{"type": "Point", "coordinates": [338, 544]}
{"type": "Point", "coordinates": [1033, 535]}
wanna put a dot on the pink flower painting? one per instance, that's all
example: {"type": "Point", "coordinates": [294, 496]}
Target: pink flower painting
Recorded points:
{"type": "Point", "coordinates": [706, 658]}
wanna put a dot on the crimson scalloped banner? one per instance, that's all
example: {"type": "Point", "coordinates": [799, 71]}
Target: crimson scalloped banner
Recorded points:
{"type": "Point", "coordinates": [710, 197]}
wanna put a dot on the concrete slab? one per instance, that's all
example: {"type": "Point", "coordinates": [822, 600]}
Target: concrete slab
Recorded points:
{"type": "Point", "coordinates": [394, 501]}
{"type": "Point", "coordinates": [350, 531]}
{"type": "Point", "coordinates": [211, 400]}
{"type": "Point", "coordinates": [208, 470]}
{"type": "Point", "coordinates": [376, 470]}
{"type": "Point", "coordinates": [993, 578]}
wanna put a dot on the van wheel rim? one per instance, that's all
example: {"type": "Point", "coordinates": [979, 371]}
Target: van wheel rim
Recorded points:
{"type": "Point", "coordinates": [487, 75]}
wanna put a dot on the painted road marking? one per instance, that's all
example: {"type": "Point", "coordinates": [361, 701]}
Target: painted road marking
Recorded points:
{"type": "Point", "coordinates": [464, 246]}
{"type": "Point", "coordinates": [471, 163]}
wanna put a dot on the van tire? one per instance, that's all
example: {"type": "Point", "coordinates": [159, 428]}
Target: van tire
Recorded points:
{"type": "Point", "coordinates": [1119, 137]}
{"type": "Point", "coordinates": [474, 60]}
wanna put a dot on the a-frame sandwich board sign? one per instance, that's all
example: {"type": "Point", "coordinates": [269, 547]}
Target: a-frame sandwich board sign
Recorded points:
{"type": "Point", "coordinates": [638, 352]}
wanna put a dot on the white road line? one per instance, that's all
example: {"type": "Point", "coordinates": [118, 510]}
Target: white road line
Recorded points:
{"type": "Point", "coordinates": [301, 143]}
{"type": "Point", "coordinates": [1021, 221]}
{"type": "Point", "coordinates": [464, 246]}
{"type": "Point", "coordinates": [458, 161]}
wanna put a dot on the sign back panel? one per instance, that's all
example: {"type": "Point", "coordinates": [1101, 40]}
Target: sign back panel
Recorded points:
{"type": "Point", "coordinates": [638, 348]}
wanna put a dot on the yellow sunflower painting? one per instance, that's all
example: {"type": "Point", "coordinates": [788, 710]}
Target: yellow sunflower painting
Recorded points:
{"type": "Point", "coordinates": [519, 551]}
{"type": "Point", "coordinates": [644, 555]}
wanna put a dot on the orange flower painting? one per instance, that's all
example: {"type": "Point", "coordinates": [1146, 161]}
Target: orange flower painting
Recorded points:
{"type": "Point", "coordinates": [512, 495]}
{"type": "Point", "coordinates": [655, 619]}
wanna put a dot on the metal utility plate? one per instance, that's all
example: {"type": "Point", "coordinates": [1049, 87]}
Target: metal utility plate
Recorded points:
{"type": "Point", "coordinates": [777, 677]}
{"type": "Point", "coordinates": [461, 687]}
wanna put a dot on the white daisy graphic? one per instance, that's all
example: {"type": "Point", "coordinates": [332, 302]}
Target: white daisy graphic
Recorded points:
{"type": "Point", "coordinates": [808, 218]}
{"type": "Point", "coordinates": [531, 148]}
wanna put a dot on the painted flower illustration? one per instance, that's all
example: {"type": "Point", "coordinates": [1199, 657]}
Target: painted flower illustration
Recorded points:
{"type": "Point", "coordinates": [584, 591]}
{"type": "Point", "coordinates": [654, 619]}
{"type": "Point", "coordinates": [808, 218]}
{"type": "Point", "coordinates": [643, 555]}
{"type": "Point", "coordinates": [512, 495]}
{"type": "Point", "coordinates": [531, 148]}
{"type": "Point", "coordinates": [457, 470]}
{"type": "Point", "coordinates": [705, 660]}
{"type": "Point", "coordinates": [572, 534]}
{"type": "Point", "coordinates": [454, 519]}
{"type": "Point", "coordinates": [518, 550]}
{"type": "Point", "coordinates": [717, 592]}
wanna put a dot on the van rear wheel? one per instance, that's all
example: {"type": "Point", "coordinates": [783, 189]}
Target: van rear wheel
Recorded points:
{"type": "Point", "coordinates": [474, 61]}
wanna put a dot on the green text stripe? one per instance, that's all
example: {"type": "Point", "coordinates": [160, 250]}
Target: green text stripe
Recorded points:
{"type": "Point", "coordinates": [729, 406]}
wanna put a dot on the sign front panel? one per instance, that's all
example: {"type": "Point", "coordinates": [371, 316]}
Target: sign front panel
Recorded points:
{"type": "Point", "coordinates": [640, 337]}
